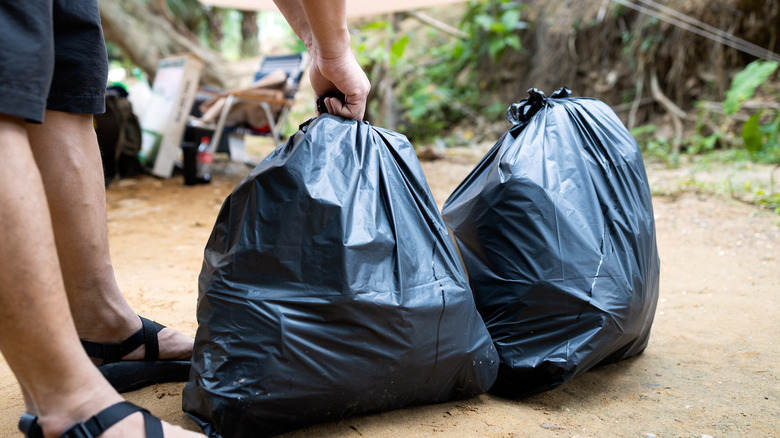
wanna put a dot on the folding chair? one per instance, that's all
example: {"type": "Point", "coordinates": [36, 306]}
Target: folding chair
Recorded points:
{"type": "Point", "coordinates": [273, 91]}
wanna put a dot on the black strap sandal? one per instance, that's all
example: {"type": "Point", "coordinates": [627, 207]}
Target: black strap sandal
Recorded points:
{"type": "Point", "coordinates": [129, 375]}
{"type": "Point", "coordinates": [97, 424]}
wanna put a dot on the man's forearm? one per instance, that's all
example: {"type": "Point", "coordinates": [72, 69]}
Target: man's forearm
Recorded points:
{"type": "Point", "coordinates": [328, 23]}
{"type": "Point", "coordinates": [295, 15]}
{"type": "Point", "coordinates": [320, 24]}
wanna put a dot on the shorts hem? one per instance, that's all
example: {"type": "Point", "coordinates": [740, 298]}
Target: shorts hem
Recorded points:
{"type": "Point", "coordinates": [31, 108]}
{"type": "Point", "coordinates": [84, 104]}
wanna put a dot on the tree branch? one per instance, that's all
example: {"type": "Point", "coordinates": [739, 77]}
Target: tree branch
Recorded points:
{"type": "Point", "coordinates": [674, 111]}
{"type": "Point", "coordinates": [146, 38]}
{"type": "Point", "coordinates": [442, 26]}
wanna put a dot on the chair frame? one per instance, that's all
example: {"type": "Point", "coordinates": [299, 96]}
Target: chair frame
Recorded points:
{"type": "Point", "coordinates": [264, 101]}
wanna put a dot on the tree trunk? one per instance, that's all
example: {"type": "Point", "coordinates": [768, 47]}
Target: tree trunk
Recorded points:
{"type": "Point", "coordinates": [146, 36]}
{"type": "Point", "coordinates": [214, 22]}
{"type": "Point", "coordinates": [249, 45]}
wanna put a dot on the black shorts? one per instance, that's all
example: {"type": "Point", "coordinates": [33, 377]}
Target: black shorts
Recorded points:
{"type": "Point", "coordinates": [52, 56]}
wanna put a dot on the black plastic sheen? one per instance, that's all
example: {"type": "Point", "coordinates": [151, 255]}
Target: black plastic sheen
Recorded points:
{"type": "Point", "coordinates": [555, 228]}
{"type": "Point", "coordinates": [330, 287]}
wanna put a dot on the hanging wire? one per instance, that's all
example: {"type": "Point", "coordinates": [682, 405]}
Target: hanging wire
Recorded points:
{"type": "Point", "coordinates": [691, 24]}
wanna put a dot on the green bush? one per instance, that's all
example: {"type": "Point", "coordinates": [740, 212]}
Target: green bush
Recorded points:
{"type": "Point", "coordinates": [435, 84]}
{"type": "Point", "coordinates": [760, 131]}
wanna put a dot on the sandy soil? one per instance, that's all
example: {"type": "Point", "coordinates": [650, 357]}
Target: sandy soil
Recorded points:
{"type": "Point", "coordinates": [711, 368]}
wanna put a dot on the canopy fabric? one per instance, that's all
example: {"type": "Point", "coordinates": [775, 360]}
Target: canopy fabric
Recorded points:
{"type": "Point", "coordinates": [355, 8]}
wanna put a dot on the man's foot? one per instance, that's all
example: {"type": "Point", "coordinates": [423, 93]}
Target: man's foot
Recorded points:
{"type": "Point", "coordinates": [172, 344]}
{"type": "Point", "coordinates": [137, 361]}
{"type": "Point", "coordinates": [89, 400]}
{"type": "Point", "coordinates": [98, 423]}
{"type": "Point", "coordinates": [152, 427]}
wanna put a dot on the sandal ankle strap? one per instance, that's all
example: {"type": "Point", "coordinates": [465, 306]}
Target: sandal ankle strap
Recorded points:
{"type": "Point", "coordinates": [114, 352]}
{"type": "Point", "coordinates": [97, 424]}
{"type": "Point", "coordinates": [29, 426]}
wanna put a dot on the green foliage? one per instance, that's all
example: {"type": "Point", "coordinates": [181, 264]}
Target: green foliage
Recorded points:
{"type": "Point", "coordinates": [372, 51]}
{"type": "Point", "coordinates": [760, 131]}
{"type": "Point", "coordinates": [751, 134]}
{"type": "Point", "coordinates": [651, 144]}
{"type": "Point", "coordinates": [190, 13]}
{"type": "Point", "coordinates": [230, 44]}
{"type": "Point", "coordinates": [761, 139]}
{"type": "Point", "coordinates": [704, 139]}
{"type": "Point", "coordinates": [216, 28]}
{"type": "Point", "coordinates": [770, 201]}
{"type": "Point", "coordinates": [398, 47]}
{"type": "Point", "coordinates": [492, 27]}
{"type": "Point", "coordinates": [436, 84]}
{"type": "Point", "coordinates": [757, 138]}
{"type": "Point", "coordinates": [745, 83]}
{"type": "Point", "coordinates": [643, 39]}
{"type": "Point", "coordinates": [761, 193]}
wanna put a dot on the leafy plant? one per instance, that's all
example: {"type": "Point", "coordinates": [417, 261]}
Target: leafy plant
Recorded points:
{"type": "Point", "coordinates": [761, 139]}
{"type": "Point", "coordinates": [651, 145]}
{"type": "Point", "coordinates": [437, 87]}
{"type": "Point", "coordinates": [745, 83]}
{"type": "Point", "coordinates": [760, 131]}
{"type": "Point", "coordinates": [375, 51]}
{"type": "Point", "coordinates": [769, 201]}
{"type": "Point", "coordinates": [492, 27]}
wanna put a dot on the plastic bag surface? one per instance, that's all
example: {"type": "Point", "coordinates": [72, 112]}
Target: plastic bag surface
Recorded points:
{"type": "Point", "coordinates": [330, 287]}
{"type": "Point", "coordinates": [555, 228]}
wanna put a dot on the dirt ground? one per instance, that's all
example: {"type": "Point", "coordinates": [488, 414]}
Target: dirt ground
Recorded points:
{"type": "Point", "coordinates": [711, 368]}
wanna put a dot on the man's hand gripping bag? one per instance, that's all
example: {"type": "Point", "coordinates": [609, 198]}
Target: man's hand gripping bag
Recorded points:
{"type": "Point", "coordinates": [555, 228]}
{"type": "Point", "coordinates": [330, 287]}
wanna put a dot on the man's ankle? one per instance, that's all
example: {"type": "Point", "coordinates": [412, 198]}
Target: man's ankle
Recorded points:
{"type": "Point", "coordinates": [77, 400]}
{"type": "Point", "coordinates": [107, 325]}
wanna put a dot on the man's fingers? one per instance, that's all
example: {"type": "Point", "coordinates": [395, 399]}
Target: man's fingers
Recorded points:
{"type": "Point", "coordinates": [348, 111]}
{"type": "Point", "coordinates": [329, 105]}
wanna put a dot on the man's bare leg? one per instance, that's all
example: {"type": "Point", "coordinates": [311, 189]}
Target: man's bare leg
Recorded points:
{"type": "Point", "coordinates": [67, 153]}
{"type": "Point", "coordinates": [37, 334]}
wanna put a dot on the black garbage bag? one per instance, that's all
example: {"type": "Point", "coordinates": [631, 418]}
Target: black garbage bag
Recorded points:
{"type": "Point", "coordinates": [555, 228]}
{"type": "Point", "coordinates": [330, 287]}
